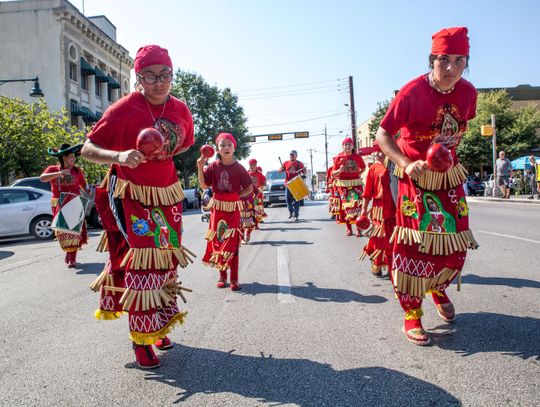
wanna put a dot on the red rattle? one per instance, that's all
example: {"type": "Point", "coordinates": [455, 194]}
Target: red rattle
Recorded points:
{"type": "Point", "coordinates": [208, 151]}
{"type": "Point", "coordinates": [150, 141]}
{"type": "Point", "coordinates": [362, 222]}
{"type": "Point", "coordinates": [439, 158]}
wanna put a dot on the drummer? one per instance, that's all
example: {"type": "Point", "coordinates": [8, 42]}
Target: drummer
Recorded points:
{"type": "Point", "coordinates": [292, 168]}
{"type": "Point", "coordinates": [65, 177]}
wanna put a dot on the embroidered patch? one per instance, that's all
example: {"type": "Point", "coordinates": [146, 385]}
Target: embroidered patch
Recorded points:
{"type": "Point", "coordinates": [408, 208]}
{"type": "Point", "coordinates": [221, 229]}
{"type": "Point", "coordinates": [165, 237]}
{"type": "Point", "coordinates": [140, 227]}
{"type": "Point", "coordinates": [462, 208]}
{"type": "Point", "coordinates": [436, 219]}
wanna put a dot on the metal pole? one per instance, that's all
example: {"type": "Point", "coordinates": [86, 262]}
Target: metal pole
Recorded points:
{"type": "Point", "coordinates": [353, 115]}
{"type": "Point", "coordinates": [494, 155]}
{"type": "Point", "coordinates": [312, 173]}
{"type": "Point", "coordinates": [326, 147]}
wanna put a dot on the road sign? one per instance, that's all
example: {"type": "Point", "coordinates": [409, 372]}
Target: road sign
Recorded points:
{"type": "Point", "coordinates": [275, 137]}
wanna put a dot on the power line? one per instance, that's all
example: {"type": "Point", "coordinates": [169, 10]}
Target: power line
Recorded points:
{"type": "Point", "coordinates": [294, 85]}
{"type": "Point", "coordinates": [298, 121]}
{"type": "Point", "coordinates": [292, 94]}
{"type": "Point", "coordinates": [284, 92]}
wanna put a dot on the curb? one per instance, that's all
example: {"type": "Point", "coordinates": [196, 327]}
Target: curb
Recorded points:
{"type": "Point", "coordinates": [511, 200]}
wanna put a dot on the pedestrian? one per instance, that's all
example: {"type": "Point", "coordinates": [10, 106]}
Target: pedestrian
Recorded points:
{"type": "Point", "coordinates": [140, 205]}
{"type": "Point", "coordinates": [382, 213]}
{"type": "Point", "coordinates": [292, 168]}
{"type": "Point", "coordinates": [331, 190]}
{"type": "Point", "coordinates": [348, 169]}
{"type": "Point", "coordinates": [259, 182]}
{"type": "Point", "coordinates": [504, 170]}
{"type": "Point", "coordinates": [230, 182]}
{"type": "Point", "coordinates": [65, 177]}
{"type": "Point", "coordinates": [532, 176]}
{"type": "Point", "coordinates": [432, 233]}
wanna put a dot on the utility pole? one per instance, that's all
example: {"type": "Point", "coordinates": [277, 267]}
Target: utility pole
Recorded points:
{"type": "Point", "coordinates": [312, 173]}
{"type": "Point", "coordinates": [326, 147]}
{"type": "Point", "coordinates": [494, 155]}
{"type": "Point", "coordinates": [353, 112]}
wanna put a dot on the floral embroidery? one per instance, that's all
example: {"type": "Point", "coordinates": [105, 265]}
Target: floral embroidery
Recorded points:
{"type": "Point", "coordinates": [462, 208]}
{"type": "Point", "coordinates": [408, 208]}
{"type": "Point", "coordinates": [140, 227]}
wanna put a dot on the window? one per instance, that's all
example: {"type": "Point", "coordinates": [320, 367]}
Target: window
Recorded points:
{"type": "Point", "coordinates": [73, 71]}
{"type": "Point", "coordinates": [109, 94]}
{"type": "Point", "coordinates": [16, 196]}
{"type": "Point", "coordinates": [84, 80]}
{"type": "Point", "coordinates": [98, 86]}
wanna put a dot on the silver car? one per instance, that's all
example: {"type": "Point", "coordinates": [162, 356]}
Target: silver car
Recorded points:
{"type": "Point", "coordinates": [25, 210]}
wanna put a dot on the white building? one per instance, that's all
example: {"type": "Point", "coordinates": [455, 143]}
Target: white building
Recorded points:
{"type": "Point", "coordinates": [79, 63]}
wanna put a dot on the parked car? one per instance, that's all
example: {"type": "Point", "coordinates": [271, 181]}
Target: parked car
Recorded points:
{"type": "Point", "coordinates": [274, 192]}
{"type": "Point", "coordinates": [321, 196]}
{"type": "Point", "coordinates": [475, 185]}
{"type": "Point", "coordinates": [25, 210]}
{"type": "Point", "coordinates": [92, 216]}
{"type": "Point", "coordinates": [488, 181]}
{"type": "Point", "coordinates": [191, 199]}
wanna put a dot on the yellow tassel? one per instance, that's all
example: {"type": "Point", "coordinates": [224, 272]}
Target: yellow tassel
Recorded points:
{"type": "Point", "coordinates": [107, 315]}
{"type": "Point", "coordinates": [150, 338]}
{"type": "Point", "coordinates": [414, 314]}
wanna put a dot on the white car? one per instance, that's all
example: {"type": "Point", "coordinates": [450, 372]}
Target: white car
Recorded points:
{"type": "Point", "coordinates": [25, 210]}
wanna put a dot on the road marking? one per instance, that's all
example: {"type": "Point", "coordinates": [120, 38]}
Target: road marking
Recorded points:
{"type": "Point", "coordinates": [510, 236]}
{"type": "Point", "coordinates": [283, 276]}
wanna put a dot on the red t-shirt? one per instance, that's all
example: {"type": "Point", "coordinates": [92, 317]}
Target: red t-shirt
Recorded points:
{"type": "Point", "coordinates": [292, 169]}
{"type": "Point", "coordinates": [68, 183]}
{"type": "Point", "coordinates": [426, 116]}
{"type": "Point", "coordinates": [121, 123]}
{"type": "Point", "coordinates": [257, 179]}
{"type": "Point", "coordinates": [350, 165]}
{"type": "Point", "coordinates": [226, 178]}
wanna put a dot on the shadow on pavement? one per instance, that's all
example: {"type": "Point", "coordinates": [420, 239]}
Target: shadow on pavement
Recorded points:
{"type": "Point", "coordinates": [89, 268]}
{"type": "Point", "coordinates": [507, 281]}
{"type": "Point", "coordinates": [279, 242]}
{"type": "Point", "coordinates": [488, 332]}
{"type": "Point", "coordinates": [301, 382]}
{"type": "Point", "coordinates": [310, 291]}
{"type": "Point", "coordinates": [5, 254]}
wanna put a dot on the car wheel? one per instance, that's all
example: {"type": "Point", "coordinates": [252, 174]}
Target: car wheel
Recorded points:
{"type": "Point", "coordinates": [41, 229]}
{"type": "Point", "coordinates": [95, 219]}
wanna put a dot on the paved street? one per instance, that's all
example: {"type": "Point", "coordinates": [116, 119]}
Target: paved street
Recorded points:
{"type": "Point", "coordinates": [311, 326]}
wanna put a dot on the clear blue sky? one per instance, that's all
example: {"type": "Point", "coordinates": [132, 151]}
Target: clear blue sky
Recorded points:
{"type": "Point", "coordinates": [250, 44]}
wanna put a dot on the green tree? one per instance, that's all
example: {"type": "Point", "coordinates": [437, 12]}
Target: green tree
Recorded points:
{"type": "Point", "coordinates": [516, 130]}
{"type": "Point", "coordinates": [378, 115]}
{"type": "Point", "coordinates": [214, 111]}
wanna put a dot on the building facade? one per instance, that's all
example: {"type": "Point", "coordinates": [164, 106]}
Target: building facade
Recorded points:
{"type": "Point", "coordinates": [80, 65]}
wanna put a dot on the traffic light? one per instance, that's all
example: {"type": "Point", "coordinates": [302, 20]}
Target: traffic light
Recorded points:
{"type": "Point", "coordinates": [301, 134]}
{"type": "Point", "coordinates": [275, 137]}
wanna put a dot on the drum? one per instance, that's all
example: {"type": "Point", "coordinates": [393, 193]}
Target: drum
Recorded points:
{"type": "Point", "coordinates": [298, 189]}
{"type": "Point", "coordinates": [71, 213]}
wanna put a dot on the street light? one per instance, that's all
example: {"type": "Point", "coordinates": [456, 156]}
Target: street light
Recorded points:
{"type": "Point", "coordinates": [35, 92]}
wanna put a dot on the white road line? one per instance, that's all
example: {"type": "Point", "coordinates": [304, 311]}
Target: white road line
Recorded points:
{"type": "Point", "coordinates": [283, 276]}
{"type": "Point", "coordinates": [510, 236]}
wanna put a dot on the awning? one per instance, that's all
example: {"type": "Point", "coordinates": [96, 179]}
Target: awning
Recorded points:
{"type": "Point", "coordinates": [86, 67]}
{"type": "Point", "coordinates": [100, 75]}
{"type": "Point", "coordinates": [112, 82]}
{"type": "Point", "coordinates": [76, 110]}
{"type": "Point", "coordinates": [98, 115]}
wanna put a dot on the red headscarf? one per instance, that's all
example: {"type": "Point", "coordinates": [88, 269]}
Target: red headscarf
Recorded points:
{"type": "Point", "coordinates": [259, 169]}
{"type": "Point", "coordinates": [223, 136]}
{"type": "Point", "coordinates": [252, 161]}
{"type": "Point", "coordinates": [347, 140]}
{"type": "Point", "coordinates": [452, 40]}
{"type": "Point", "coordinates": [151, 55]}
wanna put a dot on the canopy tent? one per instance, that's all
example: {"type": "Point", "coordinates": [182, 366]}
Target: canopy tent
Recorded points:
{"type": "Point", "coordinates": [523, 163]}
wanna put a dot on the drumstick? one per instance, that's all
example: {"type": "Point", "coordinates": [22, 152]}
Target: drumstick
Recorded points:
{"type": "Point", "coordinates": [281, 162]}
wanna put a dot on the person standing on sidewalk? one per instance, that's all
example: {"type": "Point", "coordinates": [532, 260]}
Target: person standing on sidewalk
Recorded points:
{"type": "Point", "coordinates": [292, 168]}
{"type": "Point", "coordinates": [504, 169]}
{"type": "Point", "coordinates": [532, 175]}
{"type": "Point", "coordinates": [432, 235]}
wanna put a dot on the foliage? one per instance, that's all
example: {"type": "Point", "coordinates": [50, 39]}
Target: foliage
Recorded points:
{"type": "Point", "coordinates": [516, 129]}
{"type": "Point", "coordinates": [378, 115]}
{"type": "Point", "coordinates": [214, 111]}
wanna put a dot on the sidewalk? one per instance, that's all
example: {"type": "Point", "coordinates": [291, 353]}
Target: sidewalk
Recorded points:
{"type": "Point", "coordinates": [513, 198]}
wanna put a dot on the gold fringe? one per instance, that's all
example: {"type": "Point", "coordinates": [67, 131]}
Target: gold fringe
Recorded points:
{"type": "Point", "coordinates": [143, 300]}
{"type": "Point", "coordinates": [225, 206]}
{"type": "Point", "coordinates": [438, 244]}
{"type": "Point", "coordinates": [414, 314]}
{"type": "Point", "coordinates": [434, 181]}
{"type": "Point", "coordinates": [154, 258]}
{"type": "Point", "coordinates": [377, 213]}
{"type": "Point", "coordinates": [103, 245]}
{"type": "Point", "coordinates": [104, 279]}
{"type": "Point", "coordinates": [417, 286]}
{"type": "Point", "coordinates": [107, 315]}
{"type": "Point", "coordinates": [150, 338]}
{"type": "Point", "coordinates": [148, 195]}
{"type": "Point", "coordinates": [348, 182]}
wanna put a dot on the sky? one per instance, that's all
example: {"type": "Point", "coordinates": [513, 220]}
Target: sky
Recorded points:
{"type": "Point", "coordinates": [289, 60]}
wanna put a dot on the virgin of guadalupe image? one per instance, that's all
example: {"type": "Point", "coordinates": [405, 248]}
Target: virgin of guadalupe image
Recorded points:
{"type": "Point", "coordinates": [436, 219]}
{"type": "Point", "coordinates": [165, 236]}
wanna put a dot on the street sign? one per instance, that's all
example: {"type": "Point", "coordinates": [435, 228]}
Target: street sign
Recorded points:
{"type": "Point", "coordinates": [275, 137]}
{"type": "Point", "coordinates": [486, 130]}
{"type": "Point", "coordinates": [301, 134]}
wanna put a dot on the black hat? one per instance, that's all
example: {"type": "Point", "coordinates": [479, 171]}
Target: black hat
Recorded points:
{"type": "Point", "coordinates": [65, 149]}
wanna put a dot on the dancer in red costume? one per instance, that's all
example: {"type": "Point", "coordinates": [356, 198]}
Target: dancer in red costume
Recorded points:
{"type": "Point", "coordinates": [382, 214]}
{"type": "Point", "coordinates": [333, 198]}
{"type": "Point", "coordinates": [140, 204]}
{"type": "Point", "coordinates": [259, 182]}
{"type": "Point", "coordinates": [66, 177]}
{"type": "Point", "coordinates": [230, 182]}
{"type": "Point", "coordinates": [432, 233]}
{"type": "Point", "coordinates": [348, 168]}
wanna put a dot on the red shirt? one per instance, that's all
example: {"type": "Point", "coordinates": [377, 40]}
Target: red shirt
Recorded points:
{"type": "Point", "coordinates": [257, 179]}
{"type": "Point", "coordinates": [350, 165]}
{"type": "Point", "coordinates": [68, 183]}
{"type": "Point", "coordinates": [426, 116]}
{"type": "Point", "coordinates": [121, 123]}
{"type": "Point", "coordinates": [292, 169]}
{"type": "Point", "coordinates": [226, 178]}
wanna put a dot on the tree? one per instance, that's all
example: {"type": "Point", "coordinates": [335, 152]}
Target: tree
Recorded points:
{"type": "Point", "coordinates": [516, 129]}
{"type": "Point", "coordinates": [375, 122]}
{"type": "Point", "coordinates": [214, 111]}
{"type": "Point", "coordinates": [27, 131]}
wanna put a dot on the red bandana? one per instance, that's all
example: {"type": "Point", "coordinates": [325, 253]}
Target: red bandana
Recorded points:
{"type": "Point", "coordinates": [151, 55]}
{"type": "Point", "coordinates": [223, 136]}
{"type": "Point", "coordinates": [450, 41]}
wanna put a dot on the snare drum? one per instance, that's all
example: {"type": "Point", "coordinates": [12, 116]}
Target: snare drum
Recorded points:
{"type": "Point", "coordinates": [71, 213]}
{"type": "Point", "coordinates": [298, 189]}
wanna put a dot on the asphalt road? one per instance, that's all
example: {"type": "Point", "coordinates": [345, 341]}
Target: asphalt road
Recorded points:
{"type": "Point", "coordinates": [311, 326]}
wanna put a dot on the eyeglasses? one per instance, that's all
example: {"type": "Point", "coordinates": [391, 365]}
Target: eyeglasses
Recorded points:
{"type": "Point", "coordinates": [152, 79]}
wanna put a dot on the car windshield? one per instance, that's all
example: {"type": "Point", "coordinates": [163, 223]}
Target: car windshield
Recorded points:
{"type": "Point", "coordinates": [273, 175]}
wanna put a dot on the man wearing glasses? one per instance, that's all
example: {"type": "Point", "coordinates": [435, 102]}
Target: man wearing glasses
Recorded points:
{"type": "Point", "coordinates": [292, 168]}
